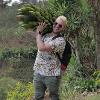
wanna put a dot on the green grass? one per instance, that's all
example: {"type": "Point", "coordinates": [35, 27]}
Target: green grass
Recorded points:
{"type": "Point", "coordinates": [6, 84]}
{"type": "Point", "coordinates": [10, 89]}
{"type": "Point", "coordinates": [21, 92]}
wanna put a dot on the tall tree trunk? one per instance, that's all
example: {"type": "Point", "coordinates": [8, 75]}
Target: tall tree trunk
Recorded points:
{"type": "Point", "coordinates": [96, 6]}
{"type": "Point", "coordinates": [98, 34]}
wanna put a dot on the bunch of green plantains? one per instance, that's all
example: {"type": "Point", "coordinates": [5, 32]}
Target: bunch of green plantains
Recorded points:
{"type": "Point", "coordinates": [30, 15]}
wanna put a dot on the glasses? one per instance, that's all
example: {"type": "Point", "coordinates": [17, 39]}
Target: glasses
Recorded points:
{"type": "Point", "coordinates": [59, 25]}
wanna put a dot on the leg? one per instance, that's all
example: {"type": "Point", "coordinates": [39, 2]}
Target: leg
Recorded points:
{"type": "Point", "coordinates": [39, 87]}
{"type": "Point", "coordinates": [52, 83]}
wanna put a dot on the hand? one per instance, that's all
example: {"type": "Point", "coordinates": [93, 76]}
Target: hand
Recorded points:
{"type": "Point", "coordinates": [41, 27]}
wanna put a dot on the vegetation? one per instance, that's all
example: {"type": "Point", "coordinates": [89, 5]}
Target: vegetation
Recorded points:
{"type": "Point", "coordinates": [78, 32]}
{"type": "Point", "coordinates": [16, 62]}
{"type": "Point", "coordinates": [30, 15]}
{"type": "Point", "coordinates": [29, 53]}
{"type": "Point", "coordinates": [21, 92]}
{"type": "Point", "coordinates": [6, 84]}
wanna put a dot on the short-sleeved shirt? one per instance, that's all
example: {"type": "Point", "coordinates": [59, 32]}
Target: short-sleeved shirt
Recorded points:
{"type": "Point", "coordinates": [47, 63]}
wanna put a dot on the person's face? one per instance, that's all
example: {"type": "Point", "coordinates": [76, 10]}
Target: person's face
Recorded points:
{"type": "Point", "coordinates": [58, 26]}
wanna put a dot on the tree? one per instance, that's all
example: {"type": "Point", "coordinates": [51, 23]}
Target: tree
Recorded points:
{"type": "Point", "coordinates": [96, 20]}
{"type": "Point", "coordinates": [1, 3]}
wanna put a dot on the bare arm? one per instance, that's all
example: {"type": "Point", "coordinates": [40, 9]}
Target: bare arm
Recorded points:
{"type": "Point", "coordinates": [40, 44]}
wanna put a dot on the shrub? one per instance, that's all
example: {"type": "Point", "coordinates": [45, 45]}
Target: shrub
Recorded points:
{"type": "Point", "coordinates": [74, 82]}
{"type": "Point", "coordinates": [82, 84]}
{"type": "Point", "coordinates": [29, 53]}
{"type": "Point", "coordinates": [96, 77]}
{"type": "Point", "coordinates": [6, 84]}
{"type": "Point", "coordinates": [21, 61]}
{"type": "Point", "coordinates": [21, 92]}
{"type": "Point", "coordinates": [22, 70]}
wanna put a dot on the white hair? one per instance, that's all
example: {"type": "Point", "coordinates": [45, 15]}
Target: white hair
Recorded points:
{"type": "Point", "coordinates": [63, 18]}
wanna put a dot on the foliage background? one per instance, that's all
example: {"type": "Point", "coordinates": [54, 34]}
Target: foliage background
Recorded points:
{"type": "Point", "coordinates": [18, 49]}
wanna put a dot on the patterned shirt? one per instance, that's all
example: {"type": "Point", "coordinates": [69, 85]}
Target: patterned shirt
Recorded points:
{"type": "Point", "coordinates": [47, 63]}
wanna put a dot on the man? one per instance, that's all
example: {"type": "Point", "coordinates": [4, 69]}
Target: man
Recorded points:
{"type": "Point", "coordinates": [47, 70]}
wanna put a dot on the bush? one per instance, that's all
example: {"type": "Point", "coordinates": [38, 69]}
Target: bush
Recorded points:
{"type": "Point", "coordinates": [21, 61]}
{"type": "Point", "coordinates": [91, 84]}
{"type": "Point", "coordinates": [29, 53]}
{"type": "Point", "coordinates": [22, 70]}
{"type": "Point", "coordinates": [6, 84]}
{"type": "Point", "coordinates": [21, 92]}
{"type": "Point", "coordinates": [96, 77]}
{"type": "Point", "coordinates": [76, 83]}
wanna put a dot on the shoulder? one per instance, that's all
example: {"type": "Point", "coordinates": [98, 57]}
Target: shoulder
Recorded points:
{"type": "Point", "coordinates": [46, 35]}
